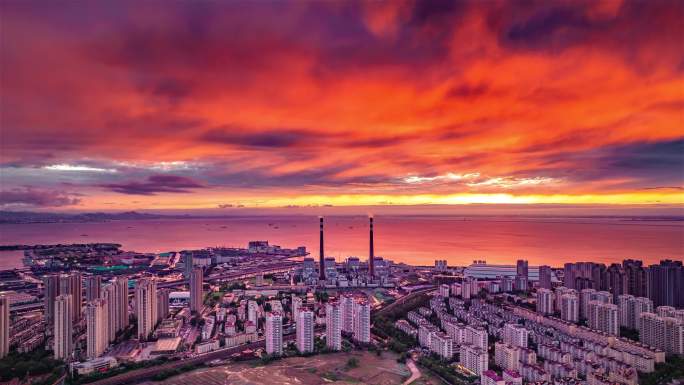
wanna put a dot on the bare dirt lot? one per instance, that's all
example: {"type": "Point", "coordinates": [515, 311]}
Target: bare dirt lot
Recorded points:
{"type": "Point", "coordinates": [315, 370]}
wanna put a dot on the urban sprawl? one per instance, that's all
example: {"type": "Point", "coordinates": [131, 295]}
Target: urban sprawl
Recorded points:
{"type": "Point", "coordinates": [93, 313]}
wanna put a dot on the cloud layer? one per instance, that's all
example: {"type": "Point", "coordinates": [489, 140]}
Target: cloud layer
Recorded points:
{"type": "Point", "coordinates": [198, 103]}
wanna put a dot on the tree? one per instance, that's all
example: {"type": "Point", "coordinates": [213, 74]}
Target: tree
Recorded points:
{"type": "Point", "coordinates": [353, 362]}
{"type": "Point", "coordinates": [322, 296]}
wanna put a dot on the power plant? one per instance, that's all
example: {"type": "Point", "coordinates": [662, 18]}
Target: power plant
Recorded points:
{"type": "Point", "coordinates": [371, 252]}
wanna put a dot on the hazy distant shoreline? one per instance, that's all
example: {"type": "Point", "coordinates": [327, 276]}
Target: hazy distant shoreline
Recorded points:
{"type": "Point", "coordinates": [29, 217]}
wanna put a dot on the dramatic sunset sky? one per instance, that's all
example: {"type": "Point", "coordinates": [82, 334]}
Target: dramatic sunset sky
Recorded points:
{"type": "Point", "coordinates": [231, 104]}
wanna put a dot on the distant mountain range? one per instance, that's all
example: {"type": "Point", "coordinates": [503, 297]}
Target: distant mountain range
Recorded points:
{"type": "Point", "coordinates": [40, 217]}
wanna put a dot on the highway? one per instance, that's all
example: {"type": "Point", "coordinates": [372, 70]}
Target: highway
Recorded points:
{"type": "Point", "coordinates": [26, 307]}
{"type": "Point", "coordinates": [275, 268]}
{"type": "Point", "coordinates": [139, 375]}
{"type": "Point", "coordinates": [402, 300]}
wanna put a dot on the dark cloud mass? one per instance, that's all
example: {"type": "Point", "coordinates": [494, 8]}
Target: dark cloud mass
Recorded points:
{"type": "Point", "coordinates": [155, 184]}
{"type": "Point", "coordinates": [232, 135]}
{"type": "Point", "coordinates": [648, 162]}
{"type": "Point", "coordinates": [37, 198]}
{"type": "Point", "coordinates": [636, 165]}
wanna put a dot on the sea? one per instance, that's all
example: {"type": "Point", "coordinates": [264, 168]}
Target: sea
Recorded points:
{"type": "Point", "coordinates": [418, 240]}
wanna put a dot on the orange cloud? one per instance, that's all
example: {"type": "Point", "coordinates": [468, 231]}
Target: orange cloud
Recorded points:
{"type": "Point", "coordinates": [343, 102]}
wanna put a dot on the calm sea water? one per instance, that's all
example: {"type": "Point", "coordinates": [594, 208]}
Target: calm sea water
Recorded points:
{"type": "Point", "coordinates": [415, 240]}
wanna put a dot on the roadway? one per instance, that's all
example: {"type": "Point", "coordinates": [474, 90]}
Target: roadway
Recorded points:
{"type": "Point", "coordinates": [26, 307]}
{"type": "Point", "coordinates": [248, 273]}
{"type": "Point", "coordinates": [138, 375]}
{"type": "Point", "coordinates": [403, 300]}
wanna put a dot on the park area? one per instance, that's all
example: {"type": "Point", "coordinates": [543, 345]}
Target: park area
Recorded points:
{"type": "Point", "coordinates": [358, 367]}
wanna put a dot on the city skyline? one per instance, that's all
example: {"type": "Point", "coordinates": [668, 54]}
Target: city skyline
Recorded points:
{"type": "Point", "coordinates": [397, 192]}
{"type": "Point", "coordinates": [226, 106]}
{"type": "Point", "coordinates": [585, 320]}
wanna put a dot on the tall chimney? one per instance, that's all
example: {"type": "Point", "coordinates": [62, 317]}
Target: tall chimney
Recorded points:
{"type": "Point", "coordinates": [371, 255]}
{"type": "Point", "coordinates": [322, 256]}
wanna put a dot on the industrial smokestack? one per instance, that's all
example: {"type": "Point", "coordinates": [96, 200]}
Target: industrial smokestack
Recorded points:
{"type": "Point", "coordinates": [371, 255]}
{"type": "Point", "coordinates": [322, 254]}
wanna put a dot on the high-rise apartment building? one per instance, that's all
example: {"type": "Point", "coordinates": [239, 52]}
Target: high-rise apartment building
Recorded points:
{"type": "Point", "coordinates": [665, 333]}
{"type": "Point", "coordinates": [93, 286]}
{"type": "Point", "coordinates": [558, 293]}
{"type": "Point", "coordinates": [636, 277]}
{"type": "Point", "coordinates": [305, 331]}
{"type": "Point", "coordinates": [297, 304]}
{"type": "Point", "coordinates": [521, 275]}
{"type": "Point", "coordinates": [603, 296]}
{"type": "Point", "coordinates": [506, 284]}
{"type": "Point", "coordinates": [196, 287]}
{"type": "Point", "coordinates": [274, 333]}
{"type": "Point", "coordinates": [333, 326]}
{"type": "Point", "coordinates": [146, 306]}
{"type": "Point", "coordinates": [109, 295]}
{"type": "Point", "coordinates": [515, 335]}
{"type": "Point", "coordinates": [444, 290]}
{"type": "Point", "coordinates": [188, 265]}
{"type": "Point", "coordinates": [679, 314]}
{"type": "Point", "coordinates": [585, 275]}
{"type": "Point", "coordinates": [476, 336]}
{"type": "Point", "coordinates": [603, 317]}
{"type": "Point", "coordinates": [474, 359]}
{"type": "Point", "coordinates": [666, 283]}
{"type": "Point", "coordinates": [50, 292]}
{"type": "Point", "coordinates": [4, 325]}
{"type": "Point", "coordinates": [489, 377]}
{"type": "Point", "coordinates": [63, 327]}
{"type": "Point", "coordinates": [545, 301]}
{"type": "Point", "coordinates": [116, 298]}
{"type": "Point", "coordinates": [72, 284]}
{"type": "Point", "coordinates": [665, 311]}
{"type": "Point", "coordinates": [545, 277]}
{"type": "Point", "coordinates": [162, 304]}
{"type": "Point", "coordinates": [630, 309]}
{"type": "Point", "coordinates": [347, 313]}
{"type": "Point", "coordinates": [121, 284]}
{"type": "Point", "coordinates": [362, 321]}
{"type": "Point", "coordinates": [569, 307]}
{"type": "Point", "coordinates": [586, 296]}
{"type": "Point", "coordinates": [617, 280]}
{"type": "Point", "coordinates": [521, 268]}
{"type": "Point", "coordinates": [97, 327]}
{"type": "Point", "coordinates": [507, 356]}
{"type": "Point", "coordinates": [252, 311]}
{"type": "Point", "coordinates": [467, 287]}
{"type": "Point", "coordinates": [441, 265]}
{"type": "Point", "coordinates": [442, 344]}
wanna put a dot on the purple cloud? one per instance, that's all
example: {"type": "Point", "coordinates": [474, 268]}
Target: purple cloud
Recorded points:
{"type": "Point", "coordinates": [29, 196]}
{"type": "Point", "coordinates": [155, 184]}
